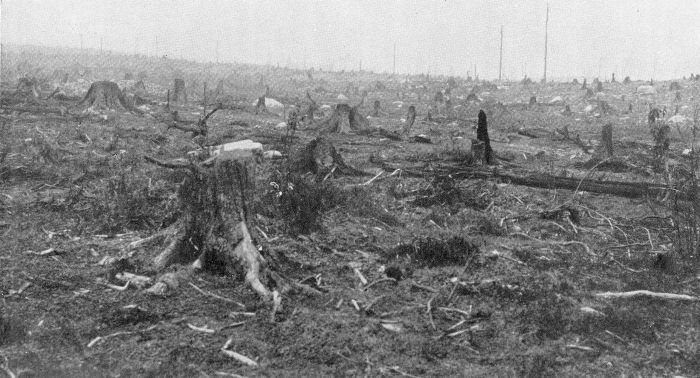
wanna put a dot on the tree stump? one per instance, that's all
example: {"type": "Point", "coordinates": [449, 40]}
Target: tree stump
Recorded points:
{"type": "Point", "coordinates": [575, 82]}
{"type": "Point", "coordinates": [674, 86]}
{"type": "Point", "coordinates": [213, 230]}
{"type": "Point", "coordinates": [344, 119]}
{"type": "Point", "coordinates": [439, 97]}
{"type": "Point", "coordinates": [533, 101]}
{"type": "Point", "coordinates": [376, 109]}
{"type": "Point", "coordinates": [179, 91]}
{"type": "Point", "coordinates": [260, 106]}
{"type": "Point", "coordinates": [128, 76]}
{"type": "Point", "coordinates": [410, 119]}
{"type": "Point", "coordinates": [482, 134]}
{"type": "Point", "coordinates": [626, 80]}
{"type": "Point", "coordinates": [613, 78]}
{"type": "Point", "coordinates": [585, 84]}
{"type": "Point", "coordinates": [307, 114]}
{"type": "Point", "coordinates": [320, 157]}
{"type": "Point", "coordinates": [27, 87]}
{"type": "Point", "coordinates": [599, 87]}
{"type": "Point", "coordinates": [104, 94]}
{"type": "Point", "coordinates": [607, 139]}
{"type": "Point", "coordinates": [219, 91]}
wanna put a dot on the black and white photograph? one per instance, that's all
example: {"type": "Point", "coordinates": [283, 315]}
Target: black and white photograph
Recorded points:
{"type": "Point", "coordinates": [364, 188]}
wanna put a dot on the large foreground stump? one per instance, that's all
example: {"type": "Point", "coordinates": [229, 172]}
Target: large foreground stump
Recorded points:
{"type": "Point", "coordinates": [104, 94]}
{"type": "Point", "coordinates": [213, 231]}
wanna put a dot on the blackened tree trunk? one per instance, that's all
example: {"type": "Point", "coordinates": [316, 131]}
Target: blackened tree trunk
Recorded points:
{"type": "Point", "coordinates": [482, 134]}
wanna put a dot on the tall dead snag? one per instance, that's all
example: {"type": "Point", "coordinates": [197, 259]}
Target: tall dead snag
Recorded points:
{"type": "Point", "coordinates": [410, 119]}
{"type": "Point", "coordinates": [213, 230]}
{"type": "Point", "coordinates": [482, 135]}
{"type": "Point", "coordinates": [607, 139]}
{"type": "Point", "coordinates": [585, 84]}
{"type": "Point", "coordinates": [179, 91]}
{"type": "Point", "coordinates": [104, 94]}
{"type": "Point", "coordinates": [344, 119]}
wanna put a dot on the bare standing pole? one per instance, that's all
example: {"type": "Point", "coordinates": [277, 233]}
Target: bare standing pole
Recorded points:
{"type": "Point", "coordinates": [500, 60]}
{"type": "Point", "coordinates": [394, 58]}
{"type": "Point", "coordinates": [546, 27]}
{"type": "Point", "coordinates": [217, 51]}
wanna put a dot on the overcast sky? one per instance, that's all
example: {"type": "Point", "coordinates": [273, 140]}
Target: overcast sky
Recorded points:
{"type": "Point", "coordinates": [641, 38]}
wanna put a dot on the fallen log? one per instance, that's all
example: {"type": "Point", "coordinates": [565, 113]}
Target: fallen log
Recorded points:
{"type": "Point", "coordinates": [646, 293]}
{"type": "Point", "coordinates": [546, 181]}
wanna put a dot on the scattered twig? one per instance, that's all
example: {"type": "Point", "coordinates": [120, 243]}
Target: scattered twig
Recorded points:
{"type": "Point", "coordinates": [426, 288]}
{"type": "Point", "coordinates": [429, 311]}
{"type": "Point", "coordinates": [208, 293]}
{"type": "Point", "coordinates": [580, 347]}
{"type": "Point", "coordinates": [452, 309]}
{"type": "Point", "coordinates": [200, 329]}
{"type": "Point", "coordinates": [103, 338]}
{"type": "Point", "coordinates": [359, 275]}
{"type": "Point", "coordinates": [386, 279]}
{"type": "Point", "coordinates": [236, 356]}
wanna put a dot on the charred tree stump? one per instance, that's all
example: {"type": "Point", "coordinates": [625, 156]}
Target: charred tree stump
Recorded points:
{"type": "Point", "coordinates": [626, 80]}
{"type": "Point", "coordinates": [607, 139]}
{"type": "Point", "coordinates": [128, 76]}
{"type": "Point", "coordinates": [585, 84]}
{"type": "Point", "coordinates": [482, 134]}
{"type": "Point", "coordinates": [104, 94]}
{"type": "Point", "coordinates": [179, 91]}
{"type": "Point", "coordinates": [410, 119]}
